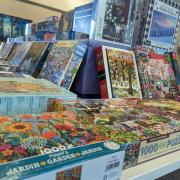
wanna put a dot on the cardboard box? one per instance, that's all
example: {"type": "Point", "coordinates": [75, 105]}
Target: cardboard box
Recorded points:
{"type": "Point", "coordinates": [96, 161]}
{"type": "Point", "coordinates": [20, 95]}
{"type": "Point", "coordinates": [53, 146]}
{"type": "Point", "coordinates": [146, 128]}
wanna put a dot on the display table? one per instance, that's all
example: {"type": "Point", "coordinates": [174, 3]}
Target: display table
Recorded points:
{"type": "Point", "coordinates": [153, 169]}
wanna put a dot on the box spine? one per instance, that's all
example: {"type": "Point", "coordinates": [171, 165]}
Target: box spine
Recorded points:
{"type": "Point", "coordinates": [101, 73]}
{"type": "Point", "coordinates": [176, 69]}
{"type": "Point", "coordinates": [39, 65]}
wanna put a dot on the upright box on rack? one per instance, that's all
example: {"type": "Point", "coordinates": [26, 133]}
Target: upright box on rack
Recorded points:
{"type": "Point", "coordinates": [113, 21]}
{"type": "Point", "coordinates": [82, 18]}
{"type": "Point", "coordinates": [161, 19]}
{"type": "Point", "coordinates": [34, 59]}
{"type": "Point", "coordinates": [63, 62]}
{"type": "Point", "coordinates": [55, 146]}
{"type": "Point", "coordinates": [117, 70]}
{"type": "Point", "coordinates": [21, 96]}
{"type": "Point", "coordinates": [156, 83]}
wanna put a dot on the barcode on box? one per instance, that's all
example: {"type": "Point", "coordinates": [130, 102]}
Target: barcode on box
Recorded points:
{"type": "Point", "coordinates": [112, 166]}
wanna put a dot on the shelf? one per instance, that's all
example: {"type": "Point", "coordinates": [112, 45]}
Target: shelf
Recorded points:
{"type": "Point", "coordinates": [153, 169]}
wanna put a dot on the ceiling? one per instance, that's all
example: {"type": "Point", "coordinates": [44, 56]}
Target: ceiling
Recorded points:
{"type": "Point", "coordinates": [64, 5]}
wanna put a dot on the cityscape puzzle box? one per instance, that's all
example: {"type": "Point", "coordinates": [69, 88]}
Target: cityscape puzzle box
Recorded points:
{"type": "Point", "coordinates": [63, 62]}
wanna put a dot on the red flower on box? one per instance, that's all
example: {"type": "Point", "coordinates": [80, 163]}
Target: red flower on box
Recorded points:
{"type": "Point", "coordinates": [64, 127]}
{"type": "Point", "coordinates": [49, 135]}
{"type": "Point", "coordinates": [5, 147]}
{"type": "Point", "coordinates": [27, 116]}
{"type": "Point", "coordinates": [20, 150]}
{"type": "Point", "coordinates": [46, 117]}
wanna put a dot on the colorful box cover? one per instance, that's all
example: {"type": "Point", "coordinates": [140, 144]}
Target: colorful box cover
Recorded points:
{"type": "Point", "coordinates": [63, 62]}
{"type": "Point", "coordinates": [115, 21]}
{"type": "Point", "coordinates": [33, 145]}
{"type": "Point", "coordinates": [6, 50]}
{"type": "Point", "coordinates": [19, 27]}
{"type": "Point", "coordinates": [34, 29]}
{"type": "Point", "coordinates": [20, 95]}
{"type": "Point", "coordinates": [117, 73]}
{"type": "Point", "coordinates": [33, 57]}
{"type": "Point", "coordinates": [71, 35]}
{"type": "Point", "coordinates": [12, 53]}
{"type": "Point", "coordinates": [1, 28]}
{"type": "Point", "coordinates": [82, 18]}
{"type": "Point", "coordinates": [42, 26]}
{"type": "Point", "coordinates": [7, 27]}
{"type": "Point", "coordinates": [156, 75]}
{"type": "Point", "coordinates": [21, 52]}
{"type": "Point", "coordinates": [176, 67]}
{"type": "Point", "coordinates": [141, 19]}
{"type": "Point", "coordinates": [49, 36]}
{"type": "Point", "coordinates": [40, 35]}
{"type": "Point", "coordinates": [66, 22]}
{"type": "Point", "coordinates": [147, 128]}
{"type": "Point", "coordinates": [162, 24]}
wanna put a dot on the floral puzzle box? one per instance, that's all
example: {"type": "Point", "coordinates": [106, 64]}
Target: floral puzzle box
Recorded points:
{"type": "Point", "coordinates": [147, 128]}
{"type": "Point", "coordinates": [54, 146]}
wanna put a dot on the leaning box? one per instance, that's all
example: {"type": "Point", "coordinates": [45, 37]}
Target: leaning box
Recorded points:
{"type": "Point", "coordinates": [102, 160]}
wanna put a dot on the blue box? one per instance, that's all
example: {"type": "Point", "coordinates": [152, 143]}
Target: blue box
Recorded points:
{"type": "Point", "coordinates": [82, 18]}
{"type": "Point", "coordinates": [21, 95]}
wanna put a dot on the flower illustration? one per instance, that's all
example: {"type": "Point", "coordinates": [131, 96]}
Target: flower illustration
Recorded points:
{"type": "Point", "coordinates": [69, 115]}
{"type": "Point", "coordinates": [66, 127]}
{"type": "Point", "coordinates": [4, 119]}
{"type": "Point", "coordinates": [20, 150]}
{"type": "Point", "coordinates": [5, 147]}
{"type": "Point", "coordinates": [20, 127]}
{"type": "Point", "coordinates": [49, 135]}
{"type": "Point", "coordinates": [7, 152]}
{"type": "Point", "coordinates": [45, 117]}
{"type": "Point", "coordinates": [27, 116]}
{"type": "Point", "coordinates": [74, 134]}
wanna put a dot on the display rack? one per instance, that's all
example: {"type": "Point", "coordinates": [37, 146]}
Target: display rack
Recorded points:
{"type": "Point", "coordinates": [153, 169]}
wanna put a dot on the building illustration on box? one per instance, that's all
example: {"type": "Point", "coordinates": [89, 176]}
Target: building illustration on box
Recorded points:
{"type": "Point", "coordinates": [115, 21]}
{"type": "Point", "coordinates": [63, 62]}
{"type": "Point", "coordinates": [118, 75]}
{"type": "Point", "coordinates": [156, 75]}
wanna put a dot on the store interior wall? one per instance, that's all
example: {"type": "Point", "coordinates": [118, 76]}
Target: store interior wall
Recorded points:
{"type": "Point", "coordinates": [27, 11]}
{"type": "Point", "coordinates": [36, 13]}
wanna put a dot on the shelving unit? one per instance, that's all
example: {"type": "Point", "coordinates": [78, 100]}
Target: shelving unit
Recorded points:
{"type": "Point", "coordinates": [153, 169]}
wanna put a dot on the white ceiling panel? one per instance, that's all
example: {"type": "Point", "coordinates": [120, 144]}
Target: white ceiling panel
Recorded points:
{"type": "Point", "coordinates": [64, 5]}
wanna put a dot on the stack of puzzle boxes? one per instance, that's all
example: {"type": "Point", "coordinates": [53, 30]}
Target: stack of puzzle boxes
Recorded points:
{"type": "Point", "coordinates": [50, 145]}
